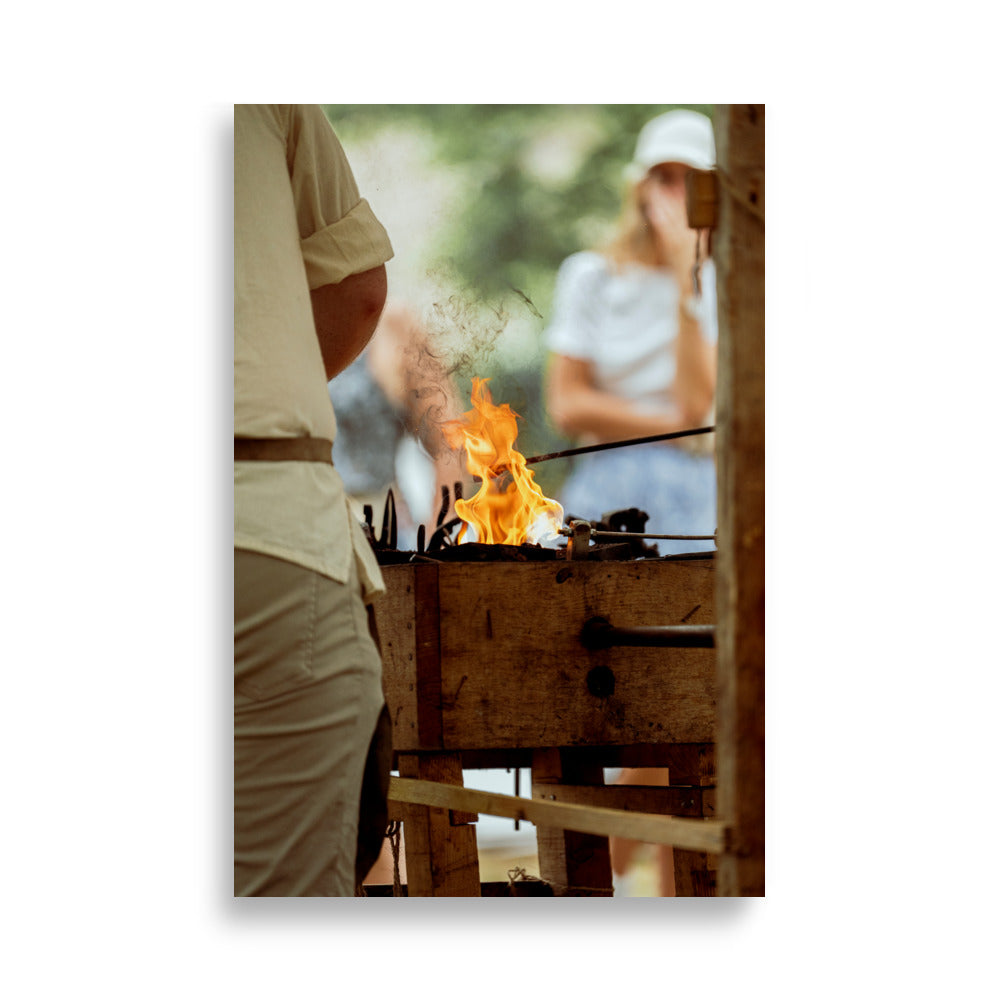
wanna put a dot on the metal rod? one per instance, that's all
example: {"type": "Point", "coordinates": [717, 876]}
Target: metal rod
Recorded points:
{"type": "Point", "coordinates": [637, 534]}
{"type": "Point", "coordinates": [598, 633]}
{"type": "Point", "coordinates": [618, 444]}
{"type": "Point", "coordinates": [517, 792]}
{"type": "Point", "coordinates": [445, 503]}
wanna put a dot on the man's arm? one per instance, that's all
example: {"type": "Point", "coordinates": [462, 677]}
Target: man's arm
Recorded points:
{"type": "Point", "coordinates": [346, 315]}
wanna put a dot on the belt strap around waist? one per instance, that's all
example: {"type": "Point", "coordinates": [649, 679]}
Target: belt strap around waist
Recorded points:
{"type": "Point", "coordinates": [307, 449]}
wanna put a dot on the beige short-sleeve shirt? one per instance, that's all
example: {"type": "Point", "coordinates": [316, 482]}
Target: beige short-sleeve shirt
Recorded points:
{"type": "Point", "coordinates": [300, 223]}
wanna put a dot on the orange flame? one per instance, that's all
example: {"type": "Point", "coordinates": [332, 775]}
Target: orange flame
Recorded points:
{"type": "Point", "coordinates": [509, 508]}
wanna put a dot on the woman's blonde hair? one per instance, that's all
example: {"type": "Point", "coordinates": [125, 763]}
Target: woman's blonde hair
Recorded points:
{"type": "Point", "coordinates": [632, 241]}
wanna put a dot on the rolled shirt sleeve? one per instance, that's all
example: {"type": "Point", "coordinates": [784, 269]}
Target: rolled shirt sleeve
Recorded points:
{"type": "Point", "coordinates": [356, 243]}
{"type": "Point", "coordinates": [339, 232]}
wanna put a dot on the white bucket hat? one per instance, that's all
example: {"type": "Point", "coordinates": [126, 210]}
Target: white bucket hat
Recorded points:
{"type": "Point", "coordinates": [675, 137]}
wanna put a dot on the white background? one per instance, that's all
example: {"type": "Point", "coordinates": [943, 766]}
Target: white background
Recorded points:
{"type": "Point", "coordinates": [881, 559]}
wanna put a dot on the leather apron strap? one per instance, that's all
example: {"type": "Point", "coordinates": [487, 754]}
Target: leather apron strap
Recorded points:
{"type": "Point", "coordinates": [307, 449]}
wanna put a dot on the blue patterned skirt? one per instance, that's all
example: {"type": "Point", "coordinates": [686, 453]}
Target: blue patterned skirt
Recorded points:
{"type": "Point", "coordinates": [676, 489]}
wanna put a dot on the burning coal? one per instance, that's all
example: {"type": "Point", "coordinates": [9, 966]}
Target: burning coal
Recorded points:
{"type": "Point", "coordinates": [509, 508]}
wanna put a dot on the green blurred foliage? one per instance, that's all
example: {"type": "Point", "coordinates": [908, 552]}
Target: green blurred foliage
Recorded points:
{"type": "Point", "coordinates": [517, 218]}
{"type": "Point", "coordinates": [517, 225]}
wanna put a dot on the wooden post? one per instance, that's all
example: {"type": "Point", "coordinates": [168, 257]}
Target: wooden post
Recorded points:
{"type": "Point", "coordinates": [739, 256]}
{"type": "Point", "coordinates": [702, 199]}
{"type": "Point", "coordinates": [695, 873]}
{"type": "Point", "coordinates": [442, 857]}
{"type": "Point", "coordinates": [574, 864]}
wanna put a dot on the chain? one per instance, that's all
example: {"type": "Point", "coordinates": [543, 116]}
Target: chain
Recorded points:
{"type": "Point", "coordinates": [393, 833]}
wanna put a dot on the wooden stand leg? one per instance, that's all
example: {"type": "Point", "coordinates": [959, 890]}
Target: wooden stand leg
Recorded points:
{"type": "Point", "coordinates": [574, 864]}
{"type": "Point", "coordinates": [694, 873]}
{"type": "Point", "coordinates": [442, 857]}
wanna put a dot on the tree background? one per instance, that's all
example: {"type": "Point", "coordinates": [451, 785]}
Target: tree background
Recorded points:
{"type": "Point", "coordinates": [482, 204]}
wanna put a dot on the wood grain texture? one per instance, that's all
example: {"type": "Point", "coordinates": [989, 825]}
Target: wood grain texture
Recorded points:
{"type": "Point", "coordinates": [396, 616]}
{"type": "Point", "coordinates": [692, 763]}
{"type": "Point", "coordinates": [692, 834]}
{"type": "Point", "coordinates": [702, 199]}
{"type": "Point", "coordinates": [442, 856]}
{"type": "Point", "coordinates": [695, 873]}
{"type": "Point", "coordinates": [513, 672]}
{"type": "Point", "coordinates": [574, 860]}
{"type": "Point", "coordinates": [739, 254]}
{"type": "Point", "coordinates": [666, 800]}
{"type": "Point", "coordinates": [428, 656]}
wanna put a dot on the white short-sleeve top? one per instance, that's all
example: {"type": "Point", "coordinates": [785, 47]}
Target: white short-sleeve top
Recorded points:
{"type": "Point", "coordinates": [625, 323]}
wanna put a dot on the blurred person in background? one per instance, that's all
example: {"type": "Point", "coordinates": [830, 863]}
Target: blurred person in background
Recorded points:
{"type": "Point", "coordinates": [311, 734]}
{"type": "Point", "coordinates": [390, 405]}
{"type": "Point", "coordinates": [633, 347]}
{"type": "Point", "coordinates": [632, 354]}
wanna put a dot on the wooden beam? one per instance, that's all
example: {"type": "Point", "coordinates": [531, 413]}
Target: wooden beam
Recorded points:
{"type": "Point", "coordinates": [702, 199]}
{"type": "Point", "coordinates": [666, 800]}
{"type": "Point", "coordinates": [428, 655]}
{"type": "Point", "coordinates": [739, 257]}
{"type": "Point", "coordinates": [689, 763]}
{"type": "Point", "coordinates": [692, 834]}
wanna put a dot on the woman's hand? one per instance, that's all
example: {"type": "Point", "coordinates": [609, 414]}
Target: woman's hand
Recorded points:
{"type": "Point", "coordinates": [666, 213]}
{"type": "Point", "coordinates": [579, 409]}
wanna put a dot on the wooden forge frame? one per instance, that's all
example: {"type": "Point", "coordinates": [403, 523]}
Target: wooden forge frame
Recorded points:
{"type": "Point", "coordinates": [485, 666]}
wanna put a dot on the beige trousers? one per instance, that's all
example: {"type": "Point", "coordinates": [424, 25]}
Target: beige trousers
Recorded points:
{"type": "Point", "coordinates": [308, 692]}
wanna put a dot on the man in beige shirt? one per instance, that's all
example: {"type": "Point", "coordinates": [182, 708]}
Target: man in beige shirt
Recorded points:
{"type": "Point", "coordinates": [310, 285]}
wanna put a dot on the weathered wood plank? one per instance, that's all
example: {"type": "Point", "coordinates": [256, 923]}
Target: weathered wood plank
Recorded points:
{"type": "Point", "coordinates": [701, 198]}
{"type": "Point", "coordinates": [515, 674]}
{"type": "Point", "coordinates": [689, 763]}
{"type": "Point", "coordinates": [573, 862]}
{"type": "Point", "coordinates": [665, 800]}
{"type": "Point", "coordinates": [442, 857]}
{"type": "Point", "coordinates": [739, 255]}
{"type": "Point", "coordinates": [692, 834]}
{"type": "Point", "coordinates": [519, 887]}
{"type": "Point", "coordinates": [428, 660]}
{"type": "Point", "coordinates": [395, 616]}
{"type": "Point", "coordinates": [695, 873]}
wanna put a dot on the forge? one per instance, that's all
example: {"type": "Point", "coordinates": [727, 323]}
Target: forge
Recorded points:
{"type": "Point", "coordinates": [494, 655]}
{"type": "Point", "coordinates": [495, 664]}
{"type": "Point", "coordinates": [552, 643]}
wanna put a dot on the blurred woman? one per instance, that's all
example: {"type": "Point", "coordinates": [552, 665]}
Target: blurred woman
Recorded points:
{"type": "Point", "coordinates": [632, 347]}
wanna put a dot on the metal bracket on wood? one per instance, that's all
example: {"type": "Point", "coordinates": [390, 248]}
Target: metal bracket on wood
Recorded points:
{"type": "Point", "coordinates": [702, 199]}
{"type": "Point", "coordinates": [579, 542]}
